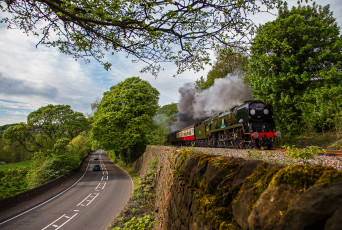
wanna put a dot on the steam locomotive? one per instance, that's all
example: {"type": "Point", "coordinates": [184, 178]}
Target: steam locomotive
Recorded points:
{"type": "Point", "coordinates": [250, 125]}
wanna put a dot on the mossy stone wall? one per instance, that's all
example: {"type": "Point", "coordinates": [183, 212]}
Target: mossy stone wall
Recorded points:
{"type": "Point", "coordinates": [203, 191]}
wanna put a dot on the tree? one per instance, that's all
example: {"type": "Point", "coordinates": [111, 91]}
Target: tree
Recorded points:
{"type": "Point", "coordinates": [296, 66]}
{"type": "Point", "coordinates": [45, 127]}
{"type": "Point", "coordinates": [94, 105]}
{"type": "Point", "coordinates": [151, 31]}
{"type": "Point", "coordinates": [227, 61]}
{"type": "Point", "coordinates": [165, 117]}
{"type": "Point", "coordinates": [124, 118]}
{"type": "Point", "coordinates": [18, 144]}
{"type": "Point", "coordinates": [53, 122]}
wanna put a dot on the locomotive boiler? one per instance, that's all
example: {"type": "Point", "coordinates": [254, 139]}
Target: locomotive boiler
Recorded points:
{"type": "Point", "coordinates": [250, 125]}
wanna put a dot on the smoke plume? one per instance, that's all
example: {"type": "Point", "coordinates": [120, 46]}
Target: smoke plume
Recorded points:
{"type": "Point", "coordinates": [197, 105]}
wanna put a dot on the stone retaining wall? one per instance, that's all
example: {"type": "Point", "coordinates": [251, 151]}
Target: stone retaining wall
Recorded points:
{"type": "Point", "coordinates": [201, 191]}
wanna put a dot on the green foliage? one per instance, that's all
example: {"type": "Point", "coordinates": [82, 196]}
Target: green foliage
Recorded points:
{"type": "Point", "coordinates": [15, 153]}
{"type": "Point", "coordinates": [336, 145]}
{"type": "Point", "coordinates": [140, 223]}
{"type": "Point", "coordinates": [151, 31]}
{"type": "Point", "coordinates": [19, 142]}
{"type": "Point", "coordinates": [12, 181]}
{"type": "Point", "coordinates": [48, 130]}
{"type": "Point", "coordinates": [139, 214]}
{"type": "Point", "coordinates": [54, 122]}
{"type": "Point", "coordinates": [303, 153]}
{"type": "Point", "coordinates": [165, 117]}
{"type": "Point", "coordinates": [44, 169]}
{"type": "Point", "coordinates": [295, 65]}
{"type": "Point", "coordinates": [80, 146]}
{"type": "Point", "coordinates": [124, 118]}
{"type": "Point", "coordinates": [57, 136]}
{"type": "Point", "coordinates": [167, 114]}
{"type": "Point", "coordinates": [65, 157]}
{"type": "Point", "coordinates": [227, 61]}
{"type": "Point", "coordinates": [4, 127]}
{"type": "Point", "coordinates": [18, 165]}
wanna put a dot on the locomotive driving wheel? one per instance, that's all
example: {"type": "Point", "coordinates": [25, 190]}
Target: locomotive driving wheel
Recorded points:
{"type": "Point", "coordinates": [257, 144]}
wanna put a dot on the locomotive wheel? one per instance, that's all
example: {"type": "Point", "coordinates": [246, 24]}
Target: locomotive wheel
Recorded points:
{"type": "Point", "coordinates": [213, 141]}
{"type": "Point", "coordinates": [236, 144]}
{"type": "Point", "coordinates": [251, 145]}
{"type": "Point", "coordinates": [257, 144]}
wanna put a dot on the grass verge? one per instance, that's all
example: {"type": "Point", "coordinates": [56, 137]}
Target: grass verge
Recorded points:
{"type": "Point", "coordinates": [18, 165]}
{"type": "Point", "coordinates": [139, 213]}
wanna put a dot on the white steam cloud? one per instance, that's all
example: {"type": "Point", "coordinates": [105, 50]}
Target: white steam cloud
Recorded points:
{"type": "Point", "coordinates": [224, 94]}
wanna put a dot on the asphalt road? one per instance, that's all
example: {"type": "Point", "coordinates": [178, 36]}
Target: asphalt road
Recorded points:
{"type": "Point", "coordinates": [90, 204]}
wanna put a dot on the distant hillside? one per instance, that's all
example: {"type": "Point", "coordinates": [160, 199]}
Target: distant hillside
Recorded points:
{"type": "Point", "coordinates": [4, 127]}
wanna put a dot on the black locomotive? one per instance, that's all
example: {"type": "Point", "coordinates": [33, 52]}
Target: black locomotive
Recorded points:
{"type": "Point", "coordinates": [250, 125]}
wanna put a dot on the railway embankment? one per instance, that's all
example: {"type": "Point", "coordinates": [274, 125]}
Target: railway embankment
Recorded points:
{"type": "Point", "coordinates": [197, 190]}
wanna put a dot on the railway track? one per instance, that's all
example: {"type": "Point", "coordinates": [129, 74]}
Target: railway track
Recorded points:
{"type": "Point", "coordinates": [334, 153]}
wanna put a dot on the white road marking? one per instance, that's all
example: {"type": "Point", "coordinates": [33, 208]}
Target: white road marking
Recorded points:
{"type": "Point", "coordinates": [85, 202]}
{"type": "Point", "coordinates": [88, 199]}
{"type": "Point", "coordinates": [56, 226]}
{"type": "Point", "coordinates": [93, 199]}
{"type": "Point", "coordinates": [48, 199]}
{"type": "Point", "coordinates": [100, 186]}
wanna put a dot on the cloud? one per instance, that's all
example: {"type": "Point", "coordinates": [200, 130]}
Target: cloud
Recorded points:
{"type": "Point", "coordinates": [38, 77]}
{"type": "Point", "coordinates": [13, 112]}
{"type": "Point", "coordinates": [165, 83]}
{"type": "Point", "coordinates": [26, 88]}
{"type": "Point", "coordinates": [13, 105]}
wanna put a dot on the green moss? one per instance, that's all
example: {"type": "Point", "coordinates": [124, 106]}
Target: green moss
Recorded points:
{"type": "Point", "coordinates": [257, 182]}
{"type": "Point", "coordinates": [329, 177]}
{"type": "Point", "coordinates": [231, 226]}
{"type": "Point", "coordinates": [301, 177]}
{"type": "Point", "coordinates": [215, 207]}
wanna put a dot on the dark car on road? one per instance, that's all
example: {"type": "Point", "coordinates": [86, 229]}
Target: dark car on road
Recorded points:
{"type": "Point", "coordinates": [96, 168]}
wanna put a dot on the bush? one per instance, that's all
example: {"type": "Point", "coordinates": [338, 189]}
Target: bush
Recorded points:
{"type": "Point", "coordinates": [80, 146]}
{"type": "Point", "coordinates": [65, 157]}
{"type": "Point", "coordinates": [140, 223]}
{"type": "Point", "coordinates": [303, 153]}
{"type": "Point", "coordinates": [12, 181]}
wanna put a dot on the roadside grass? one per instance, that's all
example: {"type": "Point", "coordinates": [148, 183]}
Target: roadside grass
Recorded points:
{"type": "Point", "coordinates": [18, 165]}
{"type": "Point", "coordinates": [126, 167]}
{"type": "Point", "coordinates": [132, 172]}
{"type": "Point", "coordinates": [139, 213]}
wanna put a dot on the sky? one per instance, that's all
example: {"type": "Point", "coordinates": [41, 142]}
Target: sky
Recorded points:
{"type": "Point", "coordinates": [33, 77]}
